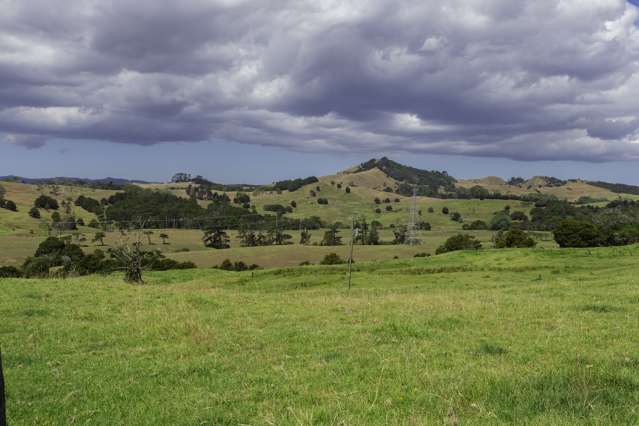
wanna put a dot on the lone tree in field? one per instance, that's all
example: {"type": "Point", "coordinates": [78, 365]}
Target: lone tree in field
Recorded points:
{"type": "Point", "coordinates": [99, 236]}
{"type": "Point", "coordinates": [164, 237]}
{"type": "Point", "coordinates": [401, 234]}
{"type": "Point", "coordinates": [34, 213]}
{"type": "Point", "coordinates": [305, 237]}
{"type": "Point", "coordinates": [332, 237]}
{"type": "Point", "coordinates": [148, 234]}
{"type": "Point", "coordinates": [216, 238]}
{"type": "Point", "coordinates": [130, 257]}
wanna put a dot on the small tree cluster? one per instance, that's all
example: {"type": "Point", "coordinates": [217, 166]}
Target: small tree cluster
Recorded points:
{"type": "Point", "coordinates": [514, 238]}
{"type": "Point", "coordinates": [459, 242]}
{"type": "Point", "coordinates": [46, 202]}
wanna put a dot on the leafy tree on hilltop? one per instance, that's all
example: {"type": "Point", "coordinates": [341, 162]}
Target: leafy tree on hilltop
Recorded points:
{"type": "Point", "coordinates": [46, 202]}
{"type": "Point", "coordinates": [34, 213]}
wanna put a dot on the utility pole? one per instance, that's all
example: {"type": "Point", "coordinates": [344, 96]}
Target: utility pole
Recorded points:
{"type": "Point", "coordinates": [412, 231]}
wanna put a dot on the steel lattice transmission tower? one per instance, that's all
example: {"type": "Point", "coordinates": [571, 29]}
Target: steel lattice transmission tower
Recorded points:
{"type": "Point", "coordinates": [411, 231]}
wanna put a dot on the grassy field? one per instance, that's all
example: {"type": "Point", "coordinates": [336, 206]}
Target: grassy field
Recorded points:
{"type": "Point", "coordinates": [540, 336]}
{"type": "Point", "coordinates": [186, 245]}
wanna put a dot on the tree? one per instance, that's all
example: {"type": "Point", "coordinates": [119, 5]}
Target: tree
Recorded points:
{"type": "Point", "coordinates": [519, 216]}
{"type": "Point", "coordinates": [373, 236]}
{"type": "Point", "coordinates": [459, 242]}
{"type": "Point", "coordinates": [348, 190]}
{"type": "Point", "coordinates": [377, 200]}
{"type": "Point", "coordinates": [456, 217]}
{"type": "Point", "coordinates": [476, 225]}
{"type": "Point", "coordinates": [578, 233]}
{"type": "Point", "coordinates": [131, 258]}
{"type": "Point", "coordinates": [46, 202]}
{"type": "Point", "coordinates": [401, 234]}
{"type": "Point", "coordinates": [278, 237]}
{"type": "Point", "coordinates": [99, 236]}
{"type": "Point", "coordinates": [3, 191]}
{"type": "Point", "coordinates": [34, 213]}
{"type": "Point", "coordinates": [241, 198]}
{"type": "Point", "coordinates": [181, 177]}
{"type": "Point", "coordinates": [148, 234]}
{"type": "Point", "coordinates": [501, 221]}
{"type": "Point", "coordinates": [423, 226]}
{"type": "Point", "coordinates": [445, 210]}
{"type": "Point", "coordinates": [9, 205]}
{"type": "Point", "coordinates": [305, 237]}
{"type": "Point", "coordinates": [514, 238]}
{"type": "Point", "coordinates": [332, 237]}
{"type": "Point", "coordinates": [216, 238]}
{"type": "Point", "coordinates": [389, 208]}
{"type": "Point", "coordinates": [164, 237]}
{"type": "Point", "coordinates": [293, 204]}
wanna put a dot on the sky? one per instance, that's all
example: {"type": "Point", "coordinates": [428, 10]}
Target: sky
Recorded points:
{"type": "Point", "coordinates": [255, 91]}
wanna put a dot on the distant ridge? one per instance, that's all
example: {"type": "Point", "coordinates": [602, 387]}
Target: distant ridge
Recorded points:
{"type": "Point", "coordinates": [64, 180]}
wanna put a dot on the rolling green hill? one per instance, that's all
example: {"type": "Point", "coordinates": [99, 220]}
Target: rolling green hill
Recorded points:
{"type": "Point", "coordinates": [361, 191]}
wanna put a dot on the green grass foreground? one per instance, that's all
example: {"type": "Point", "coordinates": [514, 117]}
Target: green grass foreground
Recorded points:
{"type": "Point", "coordinates": [512, 336]}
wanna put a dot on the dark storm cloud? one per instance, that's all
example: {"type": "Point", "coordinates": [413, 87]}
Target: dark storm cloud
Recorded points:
{"type": "Point", "coordinates": [550, 79]}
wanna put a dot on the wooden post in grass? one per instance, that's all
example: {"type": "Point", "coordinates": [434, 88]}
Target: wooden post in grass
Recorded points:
{"type": "Point", "coordinates": [3, 412]}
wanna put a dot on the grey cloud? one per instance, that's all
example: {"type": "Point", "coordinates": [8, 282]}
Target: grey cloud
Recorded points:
{"type": "Point", "coordinates": [548, 79]}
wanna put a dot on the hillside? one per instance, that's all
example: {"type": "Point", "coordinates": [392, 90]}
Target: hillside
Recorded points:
{"type": "Point", "coordinates": [571, 190]}
{"type": "Point", "coordinates": [494, 337]}
{"type": "Point", "coordinates": [364, 191]}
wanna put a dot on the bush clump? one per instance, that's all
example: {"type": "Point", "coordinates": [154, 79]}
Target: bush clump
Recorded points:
{"type": "Point", "coordinates": [459, 242]}
{"type": "Point", "coordinates": [332, 259]}
{"type": "Point", "coordinates": [577, 233]}
{"type": "Point", "coordinates": [514, 238]}
{"type": "Point", "coordinates": [239, 266]}
{"type": "Point", "coordinates": [10, 272]}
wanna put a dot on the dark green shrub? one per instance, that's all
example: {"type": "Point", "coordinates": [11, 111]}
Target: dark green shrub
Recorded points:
{"type": "Point", "coordinates": [332, 259]}
{"type": "Point", "coordinates": [475, 225]}
{"type": "Point", "coordinates": [578, 233]}
{"type": "Point", "coordinates": [514, 238]}
{"type": "Point", "coordinates": [34, 213]}
{"type": "Point", "coordinates": [46, 202]}
{"type": "Point", "coordinates": [10, 272]}
{"type": "Point", "coordinates": [459, 242]}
